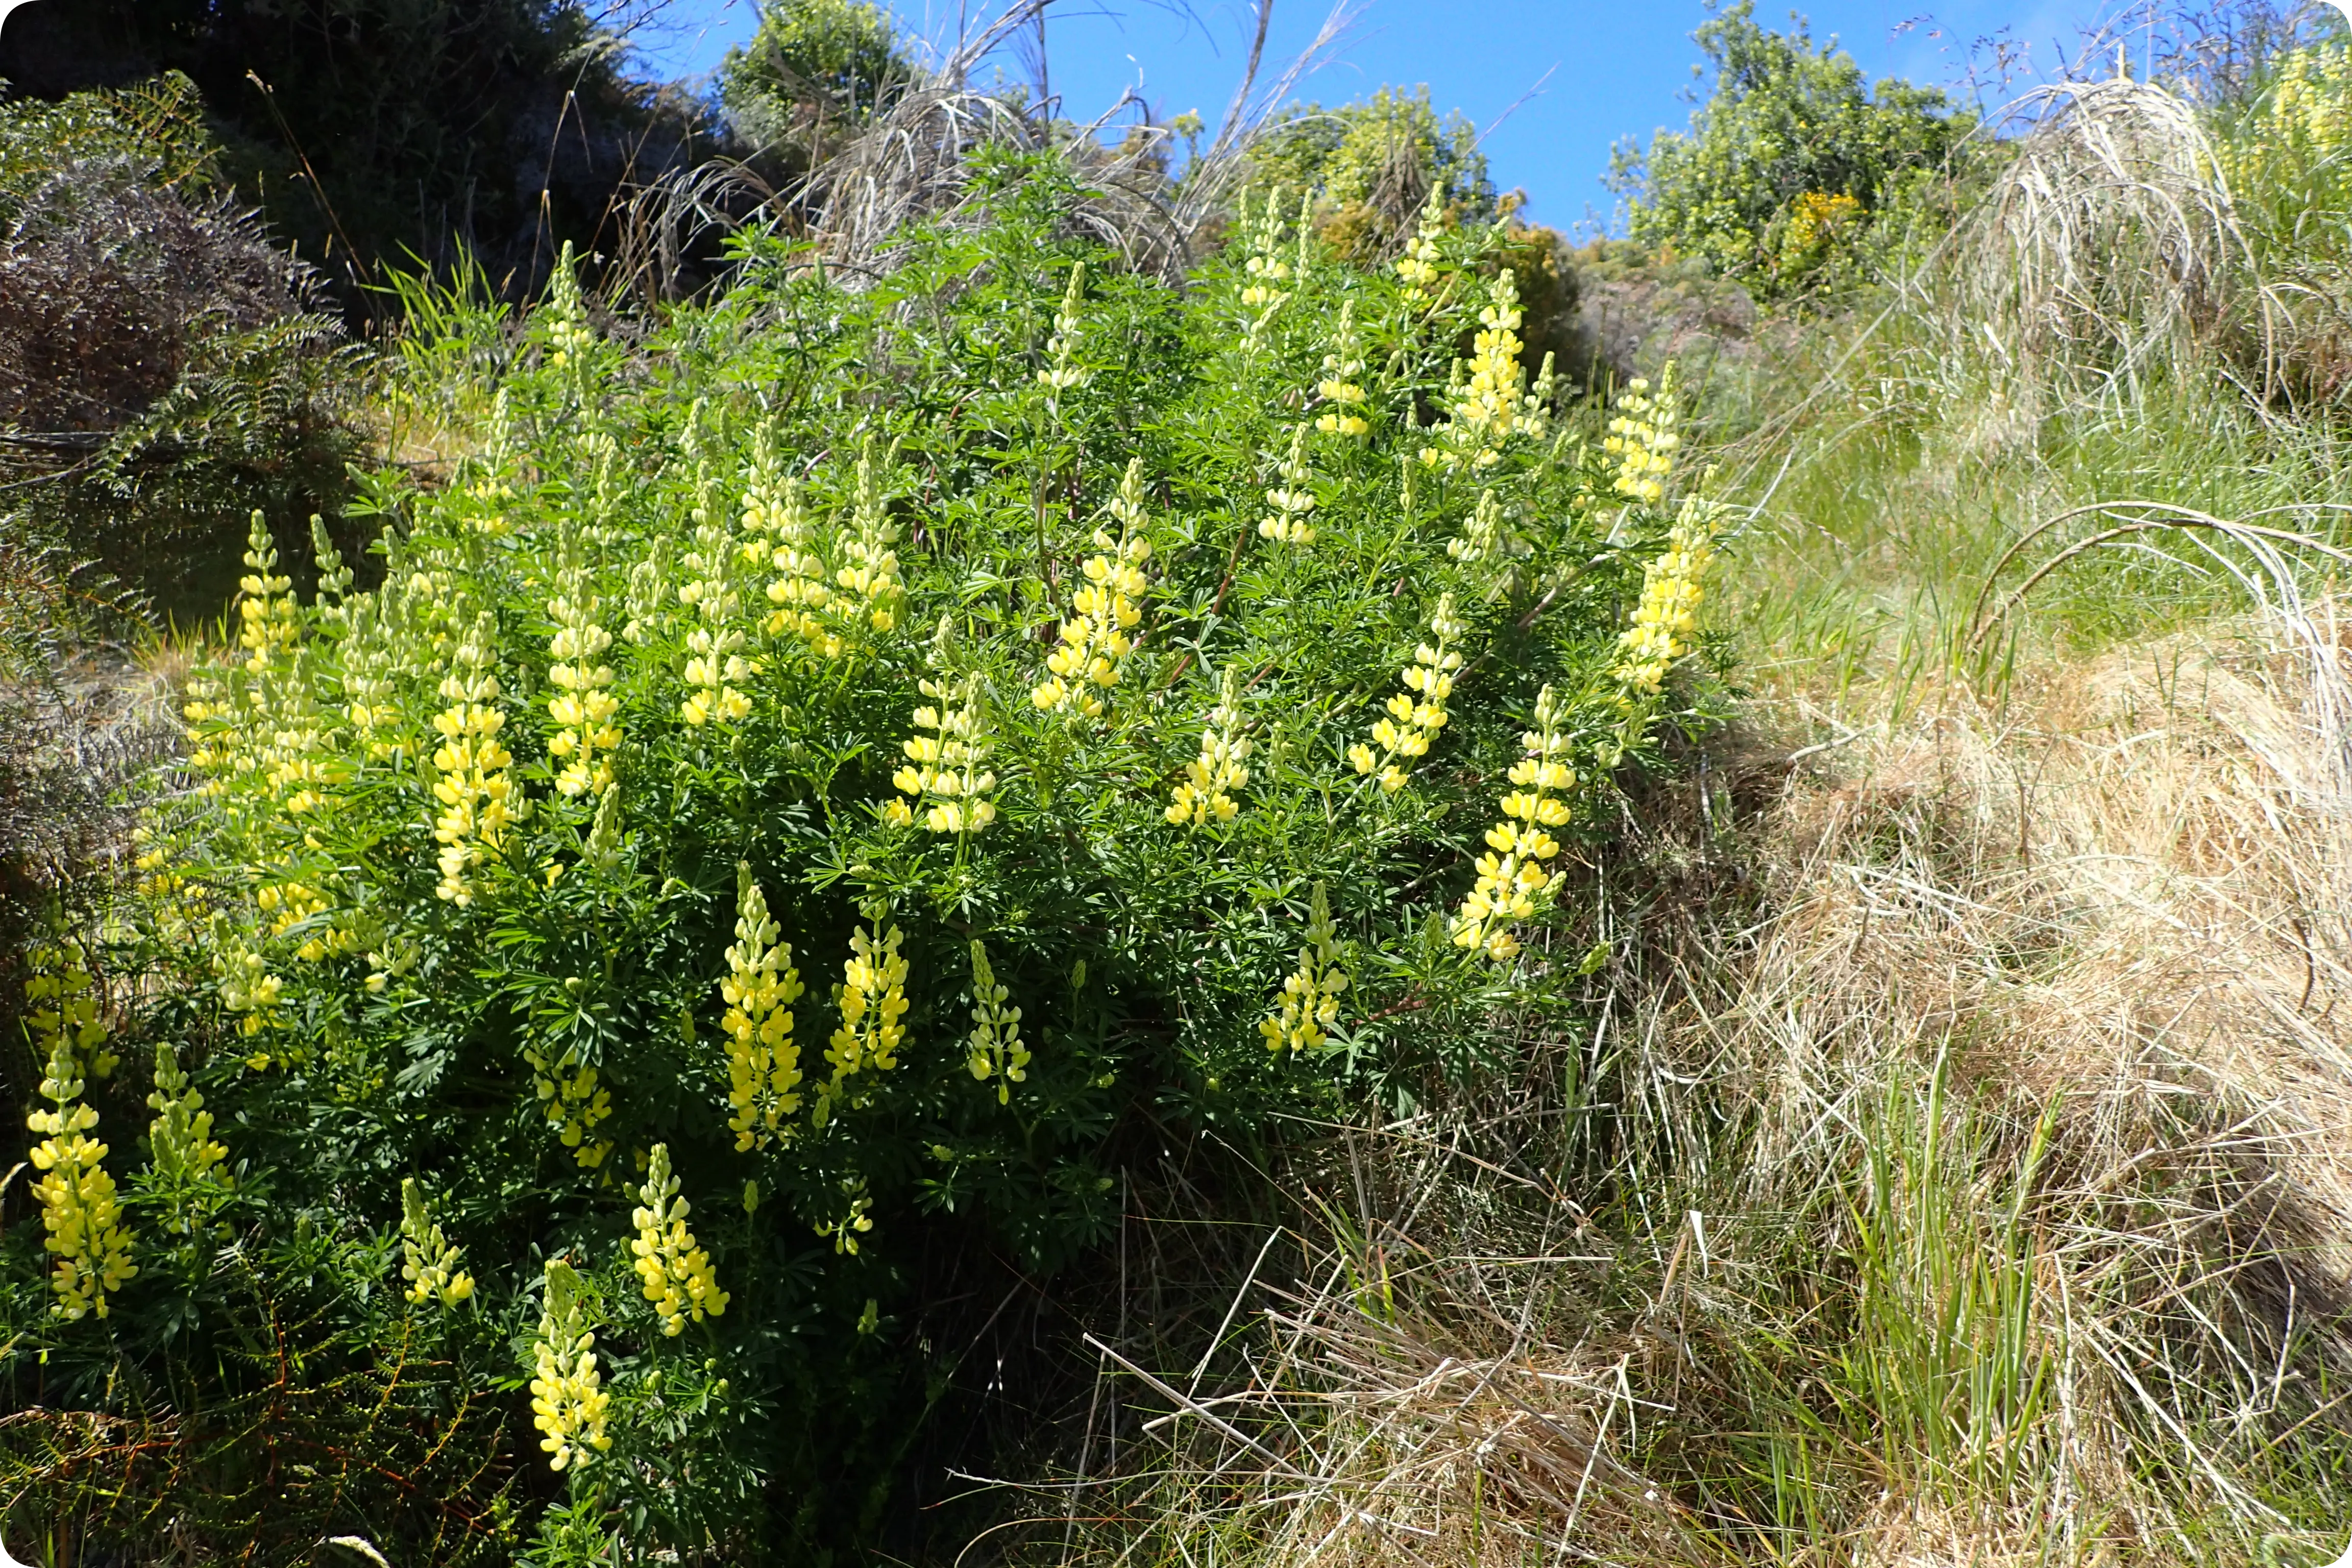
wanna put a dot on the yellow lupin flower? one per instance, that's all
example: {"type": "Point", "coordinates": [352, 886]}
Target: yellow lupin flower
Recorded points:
{"type": "Point", "coordinates": [1094, 639]}
{"type": "Point", "coordinates": [183, 1154]}
{"type": "Point", "coordinates": [1201, 798]}
{"type": "Point", "coordinates": [64, 1011]}
{"type": "Point", "coordinates": [428, 1262]}
{"type": "Point", "coordinates": [763, 1059]}
{"type": "Point", "coordinates": [1309, 1003]}
{"type": "Point", "coordinates": [80, 1208]}
{"type": "Point", "coordinates": [568, 1402]}
{"type": "Point", "coordinates": [854, 1221]}
{"type": "Point", "coordinates": [1673, 586]}
{"type": "Point", "coordinates": [476, 795]}
{"type": "Point", "coordinates": [1421, 263]}
{"type": "Point", "coordinates": [248, 989]}
{"type": "Point", "coordinates": [716, 669]}
{"type": "Point", "coordinates": [675, 1269]}
{"type": "Point", "coordinates": [1265, 264]}
{"type": "Point", "coordinates": [1064, 375]}
{"type": "Point", "coordinates": [1642, 438]}
{"type": "Point", "coordinates": [267, 616]}
{"type": "Point", "coordinates": [1513, 875]}
{"type": "Point", "coordinates": [1491, 402]}
{"type": "Point", "coordinates": [1290, 521]}
{"type": "Point", "coordinates": [1341, 387]}
{"type": "Point", "coordinates": [996, 1049]}
{"type": "Point", "coordinates": [945, 757]}
{"type": "Point", "coordinates": [570, 338]}
{"type": "Point", "coordinates": [869, 575]}
{"type": "Point", "coordinates": [1417, 713]}
{"type": "Point", "coordinates": [574, 1103]}
{"type": "Point", "coordinates": [802, 592]}
{"type": "Point", "coordinates": [872, 999]}
{"type": "Point", "coordinates": [583, 706]}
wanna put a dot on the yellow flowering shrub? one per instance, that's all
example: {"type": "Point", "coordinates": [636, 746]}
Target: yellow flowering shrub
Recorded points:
{"type": "Point", "coordinates": [692, 677]}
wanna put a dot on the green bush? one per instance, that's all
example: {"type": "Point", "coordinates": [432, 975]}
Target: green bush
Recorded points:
{"type": "Point", "coordinates": [815, 793]}
{"type": "Point", "coordinates": [810, 61]}
{"type": "Point", "coordinates": [1793, 162]}
{"type": "Point", "coordinates": [1372, 165]}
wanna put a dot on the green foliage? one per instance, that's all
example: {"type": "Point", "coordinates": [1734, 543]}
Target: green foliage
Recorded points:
{"type": "Point", "coordinates": [1372, 165]}
{"type": "Point", "coordinates": [811, 60]}
{"type": "Point", "coordinates": [814, 793]}
{"type": "Point", "coordinates": [1792, 165]}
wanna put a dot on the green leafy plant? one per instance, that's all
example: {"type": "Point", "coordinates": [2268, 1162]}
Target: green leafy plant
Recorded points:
{"type": "Point", "coordinates": [821, 784]}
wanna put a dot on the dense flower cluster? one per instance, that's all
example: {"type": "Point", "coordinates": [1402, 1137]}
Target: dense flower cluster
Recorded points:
{"type": "Point", "coordinates": [1267, 267]}
{"type": "Point", "coordinates": [79, 1209]}
{"type": "Point", "coordinates": [763, 1059]}
{"type": "Point", "coordinates": [429, 1263]}
{"type": "Point", "coordinates": [1423, 260]}
{"type": "Point", "coordinates": [568, 1401]}
{"type": "Point", "coordinates": [997, 1051]}
{"type": "Point", "coordinates": [478, 803]}
{"type": "Point", "coordinates": [1291, 521]}
{"type": "Point", "coordinates": [1673, 586]}
{"type": "Point", "coordinates": [1642, 438]}
{"type": "Point", "coordinates": [1309, 1003]}
{"type": "Point", "coordinates": [1417, 713]}
{"type": "Point", "coordinates": [872, 999]}
{"type": "Point", "coordinates": [673, 1267]}
{"type": "Point", "coordinates": [1514, 872]}
{"type": "Point", "coordinates": [583, 706]}
{"type": "Point", "coordinates": [1093, 639]}
{"type": "Point", "coordinates": [1203, 797]}
{"type": "Point", "coordinates": [945, 757]}
{"type": "Point", "coordinates": [1483, 537]}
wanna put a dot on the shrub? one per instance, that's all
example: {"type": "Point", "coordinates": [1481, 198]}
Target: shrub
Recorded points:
{"type": "Point", "coordinates": [814, 798]}
{"type": "Point", "coordinates": [810, 61]}
{"type": "Point", "coordinates": [1374, 164]}
{"type": "Point", "coordinates": [1792, 162]}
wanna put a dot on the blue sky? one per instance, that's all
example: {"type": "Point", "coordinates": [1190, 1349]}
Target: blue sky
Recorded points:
{"type": "Point", "coordinates": [1617, 68]}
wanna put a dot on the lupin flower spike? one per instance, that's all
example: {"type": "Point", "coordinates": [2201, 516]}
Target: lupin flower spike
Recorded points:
{"type": "Point", "coordinates": [997, 1051]}
{"type": "Point", "coordinates": [429, 1264]}
{"type": "Point", "coordinates": [1672, 587]}
{"type": "Point", "coordinates": [1094, 640]}
{"type": "Point", "coordinates": [568, 1402]}
{"type": "Point", "coordinates": [763, 1059]}
{"type": "Point", "coordinates": [1203, 796]}
{"type": "Point", "coordinates": [1291, 521]}
{"type": "Point", "coordinates": [1416, 714]}
{"type": "Point", "coordinates": [671, 1264]}
{"type": "Point", "coordinates": [1309, 1003]}
{"type": "Point", "coordinates": [1516, 872]}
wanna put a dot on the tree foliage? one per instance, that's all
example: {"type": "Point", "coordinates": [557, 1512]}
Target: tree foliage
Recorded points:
{"type": "Point", "coordinates": [1792, 161]}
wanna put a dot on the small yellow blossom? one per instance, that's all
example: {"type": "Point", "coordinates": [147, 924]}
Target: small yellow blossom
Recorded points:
{"type": "Point", "coordinates": [269, 618]}
{"type": "Point", "coordinates": [1291, 521]}
{"type": "Point", "coordinates": [1416, 714]}
{"type": "Point", "coordinates": [1065, 373]}
{"type": "Point", "coordinates": [1514, 874]}
{"type": "Point", "coordinates": [574, 1103]}
{"type": "Point", "coordinates": [716, 669]}
{"type": "Point", "coordinates": [763, 1059]}
{"type": "Point", "coordinates": [945, 756]}
{"type": "Point", "coordinates": [80, 1208]}
{"type": "Point", "coordinates": [997, 1051]}
{"type": "Point", "coordinates": [1265, 263]}
{"type": "Point", "coordinates": [1423, 260]}
{"type": "Point", "coordinates": [873, 999]}
{"type": "Point", "coordinates": [428, 1262]}
{"type": "Point", "coordinates": [1309, 1003]}
{"type": "Point", "coordinates": [568, 1402]}
{"type": "Point", "coordinates": [1491, 403]}
{"type": "Point", "coordinates": [476, 795]}
{"type": "Point", "coordinates": [1673, 586]}
{"type": "Point", "coordinates": [583, 706]}
{"type": "Point", "coordinates": [869, 575]}
{"type": "Point", "coordinates": [1642, 438]}
{"type": "Point", "coordinates": [1341, 387]}
{"type": "Point", "coordinates": [1094, 640]}
{"type": "Point", "coordinates": [184, 1157]}
{"type": "Point", "coordinates": [802, 591]}
{"type": "Point", "coordinates": [674, 1268]}
{"type": "Point", "coordinates": [854, 1221]}
{"type": "Point", "coordinates": [1203, 797]}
